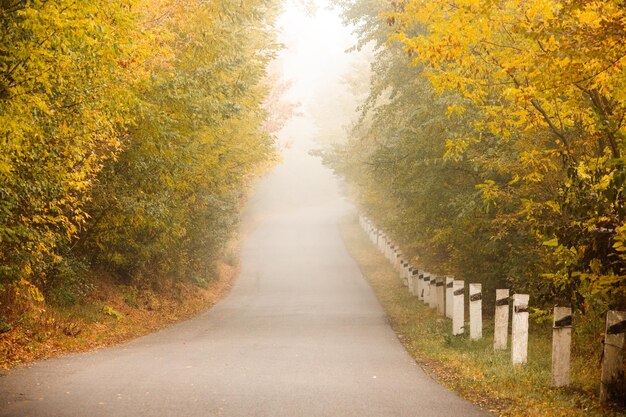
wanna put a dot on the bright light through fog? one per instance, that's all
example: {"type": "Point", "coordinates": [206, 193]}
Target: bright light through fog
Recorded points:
{"type": "Point", "coordinates": [315, 53]}
{"type": "Point", "coordinates": [315, 59]}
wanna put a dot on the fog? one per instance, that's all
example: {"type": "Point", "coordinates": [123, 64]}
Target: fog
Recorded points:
{"type": "Point", "coordinates": [315, 59]}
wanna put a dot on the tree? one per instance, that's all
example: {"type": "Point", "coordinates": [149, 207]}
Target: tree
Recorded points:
{"type": "Point", "coordinates": [547, 76]}
{"type": "Point", "coordinates": [64, 102]}
{"type": "Point", "coordinates": [128, 133]}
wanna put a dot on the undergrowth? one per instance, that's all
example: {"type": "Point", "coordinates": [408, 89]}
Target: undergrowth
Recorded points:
{"type": "Point", "coordinates": [109, 313]}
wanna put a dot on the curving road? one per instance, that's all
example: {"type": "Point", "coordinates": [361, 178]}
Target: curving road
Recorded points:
{"type": "Point", "coordinates": [301, 334]}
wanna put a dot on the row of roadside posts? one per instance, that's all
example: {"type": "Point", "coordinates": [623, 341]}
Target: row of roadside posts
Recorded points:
{"type": "Point", "coordinates": [447, 296]}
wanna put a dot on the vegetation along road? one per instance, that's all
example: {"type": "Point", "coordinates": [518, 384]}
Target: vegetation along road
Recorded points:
{"type": "Point", "coordinates": [487, 140]}
{"type": "Point", "coordinates": [301, 334]}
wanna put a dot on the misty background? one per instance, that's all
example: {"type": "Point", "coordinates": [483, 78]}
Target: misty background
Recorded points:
{"type": "Point", "coordinates": [327, 77]}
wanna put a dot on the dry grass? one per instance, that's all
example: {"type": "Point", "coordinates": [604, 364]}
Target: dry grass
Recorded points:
{"type": "Point", "coordinates": [472, 368]}
{"type": "Point", "coordinates": [112, 314]}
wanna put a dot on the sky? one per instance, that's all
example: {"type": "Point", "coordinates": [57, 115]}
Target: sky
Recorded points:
{"type": "Point", "coordinates": [314, 58]}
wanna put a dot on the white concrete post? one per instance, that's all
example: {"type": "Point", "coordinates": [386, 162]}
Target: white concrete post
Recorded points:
{"type": "Point", "coordinates": [449, 292]}
{"type": "Point", "coordinates": [403, 272]}
{"type": "Point", "coordinates": [432, 292]}
{"type": "Point", "coordinates": [426, 288]}
{"type": "Point", "coordinates": [501, 325]}
{"type": "Point", "coordinates": [418, 283]}
{"type": "Point", "coordinates": [415, 274]}
{"type": "Point", "coordinates": [612, 377]}
{"type": "Point", "coordinates": [561, 342]}
{"type": "Point", "coordinates": [408, 273]}
{"type": "Point", "coordinates": [519, 329]}
{"type": "Point", "coordinates": [458, 307]}
{"type": "Point", "coordinates": [441, 307]}
{"type": "Point", "coordinates": [476, 311]}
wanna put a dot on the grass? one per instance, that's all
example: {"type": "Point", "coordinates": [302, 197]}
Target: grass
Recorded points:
{"type": "Point", "coordinates": [472, 368]}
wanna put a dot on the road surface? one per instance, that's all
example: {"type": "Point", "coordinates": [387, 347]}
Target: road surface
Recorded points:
{"type": "Point", "coordinates": [301, 334]}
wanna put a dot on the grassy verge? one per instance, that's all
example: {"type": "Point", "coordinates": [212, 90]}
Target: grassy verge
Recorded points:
{"type": "Point", "coordinates": [112, 314]}
{"type": "Point", "coordinates": [472, 368]}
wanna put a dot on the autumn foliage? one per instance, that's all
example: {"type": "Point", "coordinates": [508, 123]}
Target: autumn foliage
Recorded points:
{"type": "Point", "coordinates": [126, 135]}
{"type": "Point", "coordinates": [494, 134]}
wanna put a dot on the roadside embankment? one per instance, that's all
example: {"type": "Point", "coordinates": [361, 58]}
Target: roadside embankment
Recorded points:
{"type": "Point", "coordinates": [472, 368]}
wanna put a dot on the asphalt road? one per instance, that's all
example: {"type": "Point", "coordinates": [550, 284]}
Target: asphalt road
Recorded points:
{"type": "Point", "coordinates": [301, 334]}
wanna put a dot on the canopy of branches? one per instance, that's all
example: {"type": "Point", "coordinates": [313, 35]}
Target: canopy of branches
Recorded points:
{"type": "Point", "coordinates": [126, 134]}
{"type": "Point", "coordinates": [494, 134]}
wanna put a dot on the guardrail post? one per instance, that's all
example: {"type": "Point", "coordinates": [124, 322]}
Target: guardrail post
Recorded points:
{"type": "Point", "coordinates": [415, 278]}
{"type": "Point", "coordinates": [561, 342]}
{"type": "Point", "coordinates": [432, 291]}
{"type": "Point", "coordinates": [476, 311]}
{"type": "Point", "coordinates": [501, 325]}
{"type": "Point", "coordinates": [441, 306]}
{"type": "Point", "coordinates": [612, 377]}
{"type": "Point", "coordinates": [458, 307]}
{"type": "Point", "coordinates": [426, 287]}
{"type": "Point", "coordinates": [449, 297]}
{"type": "Point", "coordinates": [519, 329]}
